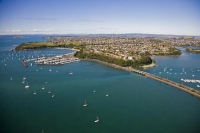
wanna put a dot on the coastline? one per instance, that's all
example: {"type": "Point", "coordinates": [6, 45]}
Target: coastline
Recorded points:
{"type": "Point", "coordinates": [150, 65]}
{"type": "Point", "coordinates": [129, 69]}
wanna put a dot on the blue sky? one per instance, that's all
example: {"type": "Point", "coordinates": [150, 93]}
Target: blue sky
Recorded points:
{"type": "Point", "coordinates": [179, 17]}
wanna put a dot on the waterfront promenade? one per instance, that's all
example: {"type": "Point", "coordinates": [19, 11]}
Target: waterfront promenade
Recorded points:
{"type": "Point", "coordinates": [169, 82]}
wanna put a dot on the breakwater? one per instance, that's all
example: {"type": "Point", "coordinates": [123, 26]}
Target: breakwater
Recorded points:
{"type": "Point", "coordinates": [160, 79]}
{"type": "Point", "coordinates": [169, 82]}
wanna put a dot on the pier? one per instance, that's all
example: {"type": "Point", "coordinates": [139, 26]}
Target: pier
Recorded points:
{"type": "Point", "coordinates": [55, 60]}
{"type": "Point", "coordinates": [24, 63]}
{"type": "Point", "coordinates": [187, 89]}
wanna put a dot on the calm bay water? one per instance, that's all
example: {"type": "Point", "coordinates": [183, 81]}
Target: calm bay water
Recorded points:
{"type": "Point", "coordinates": [135, 103]}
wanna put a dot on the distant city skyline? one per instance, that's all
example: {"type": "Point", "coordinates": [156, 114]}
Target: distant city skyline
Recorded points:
{"type": "Point", "coordinates": [172, 17]}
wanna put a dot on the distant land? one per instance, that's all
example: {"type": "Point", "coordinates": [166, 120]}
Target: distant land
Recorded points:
{"type": "Point", "coordinates": [123, 34]}
{"type": "Point", "coordinates": [120, 49]}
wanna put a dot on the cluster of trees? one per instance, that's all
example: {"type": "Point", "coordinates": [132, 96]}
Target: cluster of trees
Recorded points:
{"type": "Point", "coordinates": [39, 45]}
{"type": "Point", "coordinates": [172, 51]}
{"type": "Point", "coordinates": [193, 50]}
{"type": "Point", "coordinates": [144, 60]}
{"type": "Point", "coordinates": [34, 45]}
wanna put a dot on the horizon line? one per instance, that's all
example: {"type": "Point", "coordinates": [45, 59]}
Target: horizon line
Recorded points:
{"type": "Point", "coordinates": [97, 34]}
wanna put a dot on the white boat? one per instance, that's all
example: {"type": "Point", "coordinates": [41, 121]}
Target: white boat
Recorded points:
{"type": "Point", "coordinates": [49, 92]}
{"type": "Point", "coordinates": [107, 94]}
{"type": "Point", "coordinates": [50, 70]}
{"type": "Point", "coordinates": [70, 73]}
{"type": "Point", "coordinates": [94, 90]}
{"type": "Point", "coordinates": [34, 93]}
{"type": "Point", "coordinates": [85, 105]}
{"type": "Point", "coordinates": [24, 78]}
{"type": "Point", "coordinates": [31, 64]}
{"type": "Point", "coordinates": [43, 87]}
{"type": "Point", "coordinates": [97, 120]}
{"type": "Point", "coordinates": [198, 85]}
{"type": "Point", "coordinates": [27, 86]}
{"type": "Point", "coordinates": [52, 95]}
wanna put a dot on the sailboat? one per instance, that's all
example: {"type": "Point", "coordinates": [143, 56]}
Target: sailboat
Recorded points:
{"type": "Point", "coordinates": [97, 120]}
{"type": "Point", "coordinates": [85, 105]}
{"type": "Point", "coordinates": [107, 94]}
{"type": "Point", "coordinates": [23, 81]}
{"type": "Point", "coordinates": [49, 92]}
{"type": "Point", "coordinates": [34, 93]}
{"type": "Point", "coordinates": [24, 78]}
{"type": "Point", "coordinates": [94, 90]}
{"type": "Point", "coordinates": [27, 86]}
{"type": "Point", "coordinates": [71, 73]}
{"type": "Point", "coordinates": [43, 87]}
{"type": "Point", "coordinates": [52, 95]}
{"type": "Point", "coordinates": [50, 70]}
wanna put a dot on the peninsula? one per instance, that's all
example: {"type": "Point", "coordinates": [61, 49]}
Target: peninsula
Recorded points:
{"type": "Point", "coordinates": [121, 50]}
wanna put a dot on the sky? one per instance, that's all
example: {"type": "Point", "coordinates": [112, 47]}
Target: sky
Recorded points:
{"type": "Point", "coordinates": [174, 17]}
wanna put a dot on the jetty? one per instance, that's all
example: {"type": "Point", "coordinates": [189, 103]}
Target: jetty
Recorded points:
{"type": "Point", "coordinates": [182, 87]}
{"type": "Point", "coordinates": [55, 60]}
{"type": "Point", "coordinates": [24, 63]}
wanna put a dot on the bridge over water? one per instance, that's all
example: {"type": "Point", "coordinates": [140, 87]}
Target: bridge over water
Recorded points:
{"type": "Point", "coordinates": [169, 82]}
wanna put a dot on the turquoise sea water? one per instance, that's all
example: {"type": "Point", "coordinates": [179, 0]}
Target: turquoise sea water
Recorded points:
{"type": "Point", "coordinates": [135, 103]}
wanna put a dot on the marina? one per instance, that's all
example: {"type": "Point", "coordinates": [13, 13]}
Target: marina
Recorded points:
{"type": "Point", "coordinates": [55, 60]}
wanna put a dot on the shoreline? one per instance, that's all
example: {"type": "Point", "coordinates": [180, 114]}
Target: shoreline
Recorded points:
{"type": "Point", "coordinates": [148, 66]}
{"type": "Point", "coordinates": [129, 69]}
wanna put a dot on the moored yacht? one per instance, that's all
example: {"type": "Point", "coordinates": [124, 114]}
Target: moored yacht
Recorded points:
{"type": "Point", "coordinates": [27, 86]}
{"type": "Point", "coordinates": [85, 105]}
{"type": "Point", "coordinates": [43, 87]}
{"type": "Point", "coordinates": [97, 120]}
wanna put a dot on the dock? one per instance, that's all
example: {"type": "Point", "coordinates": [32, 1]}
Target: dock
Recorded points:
{"type": "Point", "coordinates": [182, 87]}
{"type": "Point", "coordinates": [24, 63]}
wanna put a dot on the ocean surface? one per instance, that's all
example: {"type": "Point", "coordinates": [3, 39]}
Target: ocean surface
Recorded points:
{"type": "Point", "coordinates": [135, 104]}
